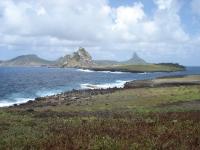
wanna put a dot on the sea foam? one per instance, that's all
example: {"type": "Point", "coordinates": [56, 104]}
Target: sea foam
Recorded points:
{"type": "Point", "coordinates": [6, 103]}
{"type": "Point", "coordinates": [89, 71]}
{"type": "Point", "coordinates": [85, 70]}
{"type": "Point", "coordinates": [44, 93]}
{"type": "Point", "coordinates": [118, 84]}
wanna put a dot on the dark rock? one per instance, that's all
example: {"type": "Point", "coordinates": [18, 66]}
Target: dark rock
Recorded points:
{"type": "Point", "coordinates": [39, 98]}
{"type": "Point", "coordinates": [30, 101]}
{"type": "Point", "coordinates": [30, 110]}
{"type": "Point", "coordinates": [139, 84]}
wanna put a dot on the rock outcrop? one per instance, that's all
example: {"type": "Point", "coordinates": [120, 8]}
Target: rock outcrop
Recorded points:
{"type": "Point", "coordinates": [79, 59]}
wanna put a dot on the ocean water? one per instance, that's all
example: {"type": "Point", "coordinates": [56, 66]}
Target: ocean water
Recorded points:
{"type": "Point", "coordinates": [18, 85]}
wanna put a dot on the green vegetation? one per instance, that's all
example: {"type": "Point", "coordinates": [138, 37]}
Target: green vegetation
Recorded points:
{"type": "Point", "coordinates": [37, 130]}
{"type": "Point", "coordinates": [140, 118]}
{"type": "Point", "coordinates": [142, 68]}
{"type": "Point", "coordinates": [134, 100]}
{"type": "Point", "coordinates": [27, 60]}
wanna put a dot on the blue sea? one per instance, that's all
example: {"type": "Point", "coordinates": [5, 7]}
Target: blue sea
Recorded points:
{"type": "Point", "coordinates": [18, 85]}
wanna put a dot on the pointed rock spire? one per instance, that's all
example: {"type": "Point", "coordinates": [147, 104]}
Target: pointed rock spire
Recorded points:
{"type": "Point", "coordinates": [135, 60]}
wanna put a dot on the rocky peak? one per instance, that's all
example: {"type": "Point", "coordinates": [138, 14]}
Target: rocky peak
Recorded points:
{"type": "Point", "coordinates": [83, 53]}
{"type": "Point", "coordinates": [80, 58]}
{"type": "Point", "coordinates": [135, 56]}
{"type": "Point", "coordinates": [135, 60]}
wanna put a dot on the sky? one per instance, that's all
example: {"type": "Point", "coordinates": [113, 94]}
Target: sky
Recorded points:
{"type": "Point", "coordinates": [158, 30]}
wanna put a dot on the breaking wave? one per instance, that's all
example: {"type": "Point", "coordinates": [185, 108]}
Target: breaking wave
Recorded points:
{"type": "Point", "coordinates": [88, 71]}
{"type": "Point", "coordinates": [6, 103]}
{"type": "Point", "coordinates": [118, 84]}
{"type": "Point", "coordinates": [85, 70]}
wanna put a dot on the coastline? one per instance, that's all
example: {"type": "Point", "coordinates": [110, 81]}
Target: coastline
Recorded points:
{"type": "Point", "coordinates": [150, 68]}
{"type": "Point", "coordinates": [157, 109]}
{"type": "Point", "coordinates": [76, 96]}
{"type": "Point", "coordinates": [86, 88]}
{"type": "Point", "coordinates": [128, 71]}
{"type": "Point", "coordinates": [85, 85]}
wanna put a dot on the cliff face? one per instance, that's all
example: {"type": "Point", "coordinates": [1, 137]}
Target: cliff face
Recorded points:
{"type": "Point", "coordinates": [81, 59]}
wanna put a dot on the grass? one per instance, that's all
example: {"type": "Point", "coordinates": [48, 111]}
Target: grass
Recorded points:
{"type": "Point", "coordinates": [142, 68]}
{"type": "Point", "coordinates": [150, 131]}
{"type": "Point", "coordinates": [144, 99]}
{"type": "Point", "coordinates": [145, 118]}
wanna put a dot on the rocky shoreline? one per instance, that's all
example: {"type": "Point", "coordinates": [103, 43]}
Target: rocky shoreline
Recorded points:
{"type": "Point", "coordinates": [78, 96]}
{"type": "Point", "coordinates": [79, 118]}
{"type": "Point", "coordinates": [66, 98]}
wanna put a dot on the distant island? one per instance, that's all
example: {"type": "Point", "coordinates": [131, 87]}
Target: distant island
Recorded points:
{"type": "Point", "coordinates": [27, 61]}
{"type": "Point", "coordinates": [82, 59]}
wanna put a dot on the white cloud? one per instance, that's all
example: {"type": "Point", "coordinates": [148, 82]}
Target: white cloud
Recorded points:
{"type": "Point", "coordinates": [163, 4]}
{"type": "Point", "coordinates": [41, 11]}
{"type": "Point", "coordinates": [129, 15]}
{"type": "Point", "coordinates": [126, 26]}
{"type": "Point", "coordinates": [64, 25]}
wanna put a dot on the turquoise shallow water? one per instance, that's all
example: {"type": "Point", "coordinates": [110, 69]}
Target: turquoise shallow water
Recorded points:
{"type": "Point", "coordinates": [19, 85]}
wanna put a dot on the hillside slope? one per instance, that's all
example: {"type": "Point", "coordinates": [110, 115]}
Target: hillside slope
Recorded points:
{"type": "Point", "coordinates": [27, 60]}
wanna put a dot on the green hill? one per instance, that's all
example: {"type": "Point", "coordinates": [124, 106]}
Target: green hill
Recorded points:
{"type": "Point", "coordinates": [27, 60]}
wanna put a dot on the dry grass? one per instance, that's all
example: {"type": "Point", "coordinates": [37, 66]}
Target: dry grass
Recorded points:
{"type": "Point", "coordinates": [119, 131]}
